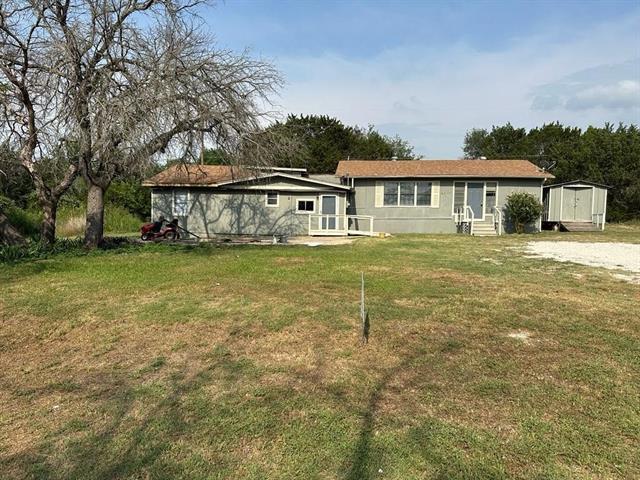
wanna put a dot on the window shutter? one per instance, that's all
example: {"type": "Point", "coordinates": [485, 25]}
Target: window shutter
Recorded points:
{"type": "Point", "coordinates": [379, 194]}
{"type": "Point", "coordinates": [435, 194]}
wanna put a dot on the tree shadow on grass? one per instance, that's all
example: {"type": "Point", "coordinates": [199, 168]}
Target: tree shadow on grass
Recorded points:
{"type": "Point", "coordinates": [360, 465]}
{"type": "Point", "coordinates": [130, 445]}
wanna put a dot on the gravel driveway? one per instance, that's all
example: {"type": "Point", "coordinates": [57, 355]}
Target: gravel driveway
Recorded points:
{"type": "Point", "coordinates": [614, 256]}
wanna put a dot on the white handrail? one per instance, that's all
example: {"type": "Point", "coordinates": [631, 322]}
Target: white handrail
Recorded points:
{"type": "Point", "coordinates": [470, 218]}
{"type": "Point", "coordinates": [497, 219]}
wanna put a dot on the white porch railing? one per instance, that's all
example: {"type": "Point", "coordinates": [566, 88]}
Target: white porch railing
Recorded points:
{"type": "Point", "coordinates": [497, 219]}
{"type": "Point", "coordinates": [320, 224]}
{"type": "Point", "coordinates": [464, 215]}
{"type": "Point", "coordinates": [360, 225]}
{"type": "Point", "coordinates": [468, 213]}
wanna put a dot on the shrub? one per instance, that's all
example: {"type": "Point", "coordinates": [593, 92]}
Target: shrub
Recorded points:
{"type": "Point", "coordinates": [62, 246]}
{"type": "Point", "coordinates": [27, 222]}
{"type": "Point", "coordinates": [131, 195]}
{"type": "Point", "coordinates": [36, 250]}
{"type": "Point", "coordinates": [522, 209]}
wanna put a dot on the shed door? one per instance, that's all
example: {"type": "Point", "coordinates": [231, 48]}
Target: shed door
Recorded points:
{"type": "Point", "coordinates": [577, 204]}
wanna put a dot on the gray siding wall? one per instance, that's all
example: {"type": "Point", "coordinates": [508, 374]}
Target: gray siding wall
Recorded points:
{"type": "Point", "coordinates": [240, 212]}
{"type": "Point", "coordinates": [420, 219]}
{"type": "Point", "coordinates": [508, 186]}
{"type": "Point", "coordinates": [429, 219]}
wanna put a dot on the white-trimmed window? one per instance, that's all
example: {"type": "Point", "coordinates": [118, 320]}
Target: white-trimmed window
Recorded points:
{"type": "Point", "coordinates": [491, 192]}
{"type": "Point", "coordinates": [459, 196]}
{"type": "Point", "coordinates": [407, 194]}
{"type": "Point", "coordinates": [180, 203]}
{"type": "Point", "coordinates": [305, 206]}
{"type": "Point", "coordinates": [390, 194]}
{"type": "Point", "coordinates": [272, 199]}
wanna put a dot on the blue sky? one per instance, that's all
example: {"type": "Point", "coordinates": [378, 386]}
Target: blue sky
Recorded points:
{"type": "Point", "coordinates": [430, 71]}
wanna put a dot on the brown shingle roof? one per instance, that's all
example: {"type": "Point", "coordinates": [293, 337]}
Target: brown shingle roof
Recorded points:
{"type": "Point", "coordinates": [214, 175]}
{"type": "Point", "coordinates": [199, 175]}
{"type": "Point", "coordinates": [441, 168]}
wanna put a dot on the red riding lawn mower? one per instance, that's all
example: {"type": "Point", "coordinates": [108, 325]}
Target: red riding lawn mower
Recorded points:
{"type": "Point", "coordinates": [159, 231]}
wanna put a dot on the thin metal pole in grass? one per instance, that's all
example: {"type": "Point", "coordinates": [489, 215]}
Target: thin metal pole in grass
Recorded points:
{"type": "Point", "coordinates": [364, 315]}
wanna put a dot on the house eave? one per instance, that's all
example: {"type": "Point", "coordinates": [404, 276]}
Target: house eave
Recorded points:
{"type": "Point", "coordinates": [229, 183]}
{"type": "Point", "coordinates": [527, 177]}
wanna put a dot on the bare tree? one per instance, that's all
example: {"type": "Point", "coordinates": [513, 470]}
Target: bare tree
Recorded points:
{"type": "Point", "coordinates": [140, 80]}
{"type": "Point", "coordinates": [32, 107]}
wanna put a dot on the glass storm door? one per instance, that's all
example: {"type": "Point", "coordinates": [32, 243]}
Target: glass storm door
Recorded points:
{"type": "Point", "coordinates": [328, 207]}
{"type": "Point", "coordinates": [475, 199]}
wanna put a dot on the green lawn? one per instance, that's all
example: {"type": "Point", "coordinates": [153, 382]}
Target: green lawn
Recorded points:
{"type": "Point", "coordinates": [245, 362]}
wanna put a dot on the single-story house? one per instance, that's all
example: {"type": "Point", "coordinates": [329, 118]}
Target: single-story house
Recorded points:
{"type": "Point", "coordinates": [575, 206]}
{"type": "Point", "coordinates": [362, 197]}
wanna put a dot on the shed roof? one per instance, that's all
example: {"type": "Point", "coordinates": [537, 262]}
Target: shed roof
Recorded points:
{"type": "Point", "coordinates": [441, 168]}
{"type": "Point", "coordinates": [574, 182]}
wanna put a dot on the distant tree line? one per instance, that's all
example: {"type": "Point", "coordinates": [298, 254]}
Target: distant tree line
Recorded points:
{"type": "Point", "coordinates": [609, 155]}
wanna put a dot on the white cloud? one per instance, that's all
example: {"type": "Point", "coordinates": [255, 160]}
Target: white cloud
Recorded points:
{"type": "Point", "coordinates": [610, 87]}
{"type": "Point", "coordinates": [432, 97]}
{"type": "Point", "coordinates": [624, 95]}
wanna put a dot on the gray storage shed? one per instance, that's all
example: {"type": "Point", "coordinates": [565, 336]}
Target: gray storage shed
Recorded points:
{"type": "Point", "coordinates": [576, 205]}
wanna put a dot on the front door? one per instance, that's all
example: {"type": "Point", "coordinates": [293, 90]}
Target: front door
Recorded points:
{"type": "Point", "coordinates": [475, 199]}
{"type": "Point", "coordinates": [328, 207]}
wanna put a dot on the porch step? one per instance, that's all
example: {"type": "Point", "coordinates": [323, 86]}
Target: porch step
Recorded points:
{"type": "Point", "coordinates": [579, 227]}
{"type": "Point", "coordinates": [484, 229]}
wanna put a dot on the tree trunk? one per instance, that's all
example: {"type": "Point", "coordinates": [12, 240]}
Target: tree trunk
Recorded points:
{"type": "Point", "coordinates": [8, 233]}
{"type": "Point", "coordinates": [48, 226]}
{"type": "Point", "coordinates": [94, 231]}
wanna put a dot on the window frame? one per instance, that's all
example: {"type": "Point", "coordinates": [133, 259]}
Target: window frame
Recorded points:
{"type": "Point", "coordinates": [186, 195]}
{"type": "Point", "coordinates": [384, 194]}
{"type": "Point", "coordinates": [430, 194]}
{"type": "Point", "coordinates": [414, 194]}
{"type": "Point", "coordinates": [266, 199]}
{"type": "Point", "coordinates": [305, 212]}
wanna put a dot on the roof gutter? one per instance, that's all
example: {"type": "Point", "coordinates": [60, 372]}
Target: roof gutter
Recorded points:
{"type": "Point", "coordinates": [452, 176]}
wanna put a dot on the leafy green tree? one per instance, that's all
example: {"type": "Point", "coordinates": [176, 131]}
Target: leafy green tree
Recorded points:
{"type": "Point", "coordinates": [130, 195]}
{"type": "Point", "coordinates": [15, 181]}
{"type": "Point", "coordinates": [324, 141]}
{"type": "Point", "coordinates": [522, 209]}
{"type": "Point", "coordinates": [476, 143]}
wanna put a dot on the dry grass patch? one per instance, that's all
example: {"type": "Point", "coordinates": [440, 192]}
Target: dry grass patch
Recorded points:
{"type": "Point", "coordinates": [245, 362]}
